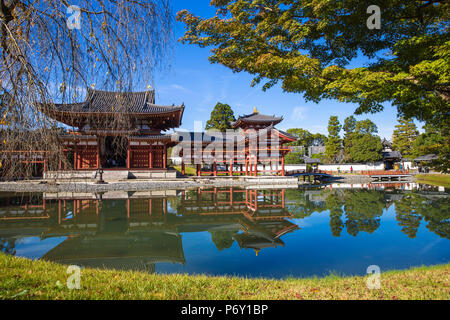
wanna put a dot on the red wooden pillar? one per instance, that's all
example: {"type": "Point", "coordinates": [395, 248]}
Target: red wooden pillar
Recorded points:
{"type": "Point", "coordinates": [231, 167]}
{"type": "Point", "coordinates": [183, 168]}
{"type": "Point", "coordinates": [75, 158]}
{"type": "Point", "coordinates": [215, 169]}
{"type": "Point", "coordinates": [165, 156]}
{"type": "Point", "coordinates": [283, 172]}
{"type": "Point", "coordinates": [60, 159]}
{"type": "Point", "coordinates": [98, 153]}
{"type": "Point", "coordinates": [198, 170]}
{"type": "Point", "coordinates": [150, 158]}
{"type": "Point", "coordinates": [128, 155]}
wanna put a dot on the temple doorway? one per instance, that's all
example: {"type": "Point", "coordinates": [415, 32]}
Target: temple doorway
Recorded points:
{"type": "Point", "coordinates": [113, 152]}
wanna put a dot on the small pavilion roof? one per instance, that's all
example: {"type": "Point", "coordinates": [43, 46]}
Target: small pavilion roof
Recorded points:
{"type": "Point", "coordinates": [392, 155]}
{"type": "Point", "coordinates": [257, 118]}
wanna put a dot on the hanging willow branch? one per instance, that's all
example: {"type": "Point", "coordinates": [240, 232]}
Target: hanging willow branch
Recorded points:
{"type": "Point", "coordinates": [44, 60]}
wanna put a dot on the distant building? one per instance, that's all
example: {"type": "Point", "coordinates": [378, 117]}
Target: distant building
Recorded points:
{"type": "Point", "coordinates": [262, 145]}
{"type": "Point", "coordinates": [390, 157]}
{"type": "Point", "coordinates": [316, 150]}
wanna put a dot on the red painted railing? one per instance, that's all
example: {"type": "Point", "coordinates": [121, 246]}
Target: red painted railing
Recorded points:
{"type": "Point", "coordinates": [384, 173]}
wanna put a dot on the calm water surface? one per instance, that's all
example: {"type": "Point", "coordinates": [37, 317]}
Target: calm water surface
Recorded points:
{"type": "Point", "coordinates": [256, 233]}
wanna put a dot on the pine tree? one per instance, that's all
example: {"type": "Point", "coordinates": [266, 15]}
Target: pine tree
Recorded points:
{"type": "Point", "coordinates": [404, 136]}
{"type": "Point", "coordinates": [333, 145]}
{"type": "Point", "coordinates": [221, 117]}
{"type": "Point", "coordinates": [349, 129]}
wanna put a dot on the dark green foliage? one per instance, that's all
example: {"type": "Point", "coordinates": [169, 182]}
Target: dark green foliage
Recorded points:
{"type": "Point", "coordinates": [333, 144]}
{"type": "Point", "coordinates": [404, 136]}
{"type": "Point", "coordinates": [294, 158]}
{"type": "Point", "coordinates": [221, 118]}
{"type": "Point", "coordinates": [308, 47]}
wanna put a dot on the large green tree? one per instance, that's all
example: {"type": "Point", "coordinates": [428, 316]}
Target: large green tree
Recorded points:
{"type": "Point", "coordinates": [333, 144]}
{"type": "Point", "coordinates": [221, 118]}
{"type": "Point", "coordinates": [309, 46]}
{"type": "Point", "coordinates": [405, 134]}
{"type": "Point", "coordinates": [361, 144]}
{"type": "Point", "coordinates": [305, 140]}
{"type": "Point", "coordinates": [432, 141]}
{"type": "Point", "coordinates": [366, 146]}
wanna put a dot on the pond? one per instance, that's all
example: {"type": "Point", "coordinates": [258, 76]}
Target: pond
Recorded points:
{"type": "Point", "coordinates": [270, 233]}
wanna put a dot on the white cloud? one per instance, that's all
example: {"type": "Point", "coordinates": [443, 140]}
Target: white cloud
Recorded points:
{"type": "Point", "coordinates": [299, 113]}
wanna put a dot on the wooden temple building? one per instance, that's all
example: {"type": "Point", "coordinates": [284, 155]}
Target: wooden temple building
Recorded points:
{"type": "Point", "coordinates": [127, 131]}
{"type": "Point", "coordinates": [117, 130]}
{"type": "Point", "coordinates": [255, 147]}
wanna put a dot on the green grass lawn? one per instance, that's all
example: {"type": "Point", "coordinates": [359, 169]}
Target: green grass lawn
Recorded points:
{"type": "Point", "coordinates": [190, 171]}
{"type": "Point", "coordinates": [25, 279]}
{"type": "Point", "coordinates": [434, 179]}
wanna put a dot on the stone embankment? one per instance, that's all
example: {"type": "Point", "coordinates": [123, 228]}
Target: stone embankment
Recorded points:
{"type": "Point", "coordinates": [88, 185]}
{"type": "Point", "coordinates": [135, 185]}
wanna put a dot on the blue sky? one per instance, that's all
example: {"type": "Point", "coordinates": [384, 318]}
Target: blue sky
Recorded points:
{"type": "Point", "coordinates": [200, 85]}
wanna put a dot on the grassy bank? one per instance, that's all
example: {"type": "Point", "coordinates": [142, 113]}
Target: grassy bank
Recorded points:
{"type": "Point", "coordinates": [434, 179]}
{"type": "Point", "coordinates": [25, 279]}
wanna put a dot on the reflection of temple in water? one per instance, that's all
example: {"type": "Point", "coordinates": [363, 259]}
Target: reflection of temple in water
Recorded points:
{"type": "Point", "coordinates": [135, 231]}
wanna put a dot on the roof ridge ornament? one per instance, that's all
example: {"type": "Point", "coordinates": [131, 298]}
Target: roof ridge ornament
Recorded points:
{"type": "Point", "coordinates": [255, 111]}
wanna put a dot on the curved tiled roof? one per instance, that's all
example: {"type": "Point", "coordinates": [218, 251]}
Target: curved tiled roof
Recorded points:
{"type": "Point", "coordinates": [428, 157]}
{"type": "Point", "coordinates": [109, 102]}
{"type": "Point", "coordinates": [256, 117]}
{"type": "Point", "coordinates": [106, 103]}
{"type": "Point", "coordinates": [392, 155]}
{"type": "Point", "coordinates": [287, 134]}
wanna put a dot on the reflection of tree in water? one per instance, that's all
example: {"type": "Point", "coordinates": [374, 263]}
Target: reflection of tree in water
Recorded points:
{"type": "Point", "coordinates": [407, 216]}
{"type": "Point", "coordinates": [437, 214]}
{"type": "Point", "coordinates": [334, 205]}
{"type": "Point", "coordinates": [222, 239]}
{"type": "Point", "coordinates": [413, 207]}
{"type": "Point", "coordinates": [363, 210]}
{"type": "Point", "coordinates": [301, 205]}
{"type": "Point", "coordinates": [8, 246]}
